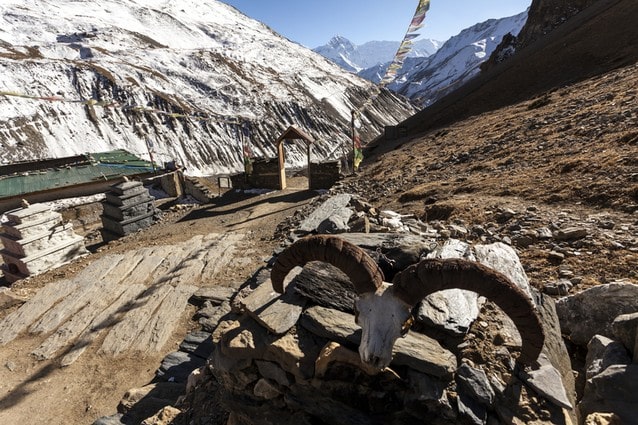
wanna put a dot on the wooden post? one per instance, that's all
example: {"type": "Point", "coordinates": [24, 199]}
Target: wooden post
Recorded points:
{"type": "Point", "coordinates": [282, 165]}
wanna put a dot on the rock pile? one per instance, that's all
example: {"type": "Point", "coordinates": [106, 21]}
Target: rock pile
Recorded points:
{"type": "Point", "coordinates": [128, 207]}
{"type": "Point", "coordinates": [604, 319]}
{"type": "Point", "coordinates": [291, 359]}
{"type": "Point", "coordinates": [36, 240]}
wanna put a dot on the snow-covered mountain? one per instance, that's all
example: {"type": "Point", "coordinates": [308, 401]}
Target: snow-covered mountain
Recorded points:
{"type": "Point", "coordinates": [357, 58]}
{"type": "Point", "coordinates": [432, 69]}
{"type": "Point", "coordinates": [425, 80]}
{"type": "Point", "coordinates": [191, 78]}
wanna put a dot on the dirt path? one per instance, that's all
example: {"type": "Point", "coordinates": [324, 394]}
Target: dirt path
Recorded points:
{"type": "Point", "coordinates": [93, 329]}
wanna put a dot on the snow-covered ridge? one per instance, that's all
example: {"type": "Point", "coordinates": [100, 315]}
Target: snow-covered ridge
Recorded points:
{"type": "Point", "coordinates": [355, 58]}
{"type": "Point", "coordinates": [432, 69]}
{"type": "Point", "coordinates": [456, 62]}
{"type": "Point", "coordinates": [217, 69]}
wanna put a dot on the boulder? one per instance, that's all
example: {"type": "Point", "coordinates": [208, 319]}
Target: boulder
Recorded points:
{"type": "Point", "coordinates": [615, 390]}
{"type": "Point", "coordinates": [603, 352]}
{"type": "Point", "coordinates": [625, 329]}
{"type": "Point", "coordinates": [593, 311]}
{"type": "Point", "coordinates": [323, 212]}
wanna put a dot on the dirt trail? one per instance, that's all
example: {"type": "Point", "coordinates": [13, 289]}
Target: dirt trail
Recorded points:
{"type": "Point", "coordinates": [43, 391]}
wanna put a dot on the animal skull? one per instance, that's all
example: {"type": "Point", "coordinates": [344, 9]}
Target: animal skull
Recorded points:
{"type": "Point", "coordinates": [380, 331]}
{"type": "Point", "coordinates": [383, 310]}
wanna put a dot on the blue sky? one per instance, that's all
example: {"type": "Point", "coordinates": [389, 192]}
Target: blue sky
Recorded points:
{"type": "Point", "coordinates": [313, 22]}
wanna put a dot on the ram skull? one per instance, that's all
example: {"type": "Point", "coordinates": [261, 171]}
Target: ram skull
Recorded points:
{"type": "Point", "coordinates": [383, 310]}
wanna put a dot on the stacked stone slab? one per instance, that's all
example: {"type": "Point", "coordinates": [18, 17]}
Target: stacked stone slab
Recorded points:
{"type": "Point", "coordinates": [36, 240]}
{"type": "Point", "coordinates": [128, 207]}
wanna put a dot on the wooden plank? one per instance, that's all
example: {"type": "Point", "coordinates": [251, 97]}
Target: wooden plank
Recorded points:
{"type": "Point", "coordinates": [106, 319]}
{"type": "Point", "coordinates": [147, 266]}
{"type": "Point", "coordinates": [173, 257]}
{"type": "Point", "coordinates": [124, 333]}
{"type": "Point", "coordinates": [109, 270]}
{"type": "Point", "coordinates": [125, 267]}
{"type": "Point", "coordinates": [18, 321]}
{"type": "Point", "coordinates": [189, 270]}
{"type": "Point", "coordinates": [163, 323]}
{"type": "Point", "coordinates": [98, 269]}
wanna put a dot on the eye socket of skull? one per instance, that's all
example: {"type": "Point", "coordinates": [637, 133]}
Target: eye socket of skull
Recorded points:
{"type": "Point", "coordinates": [405, 327]}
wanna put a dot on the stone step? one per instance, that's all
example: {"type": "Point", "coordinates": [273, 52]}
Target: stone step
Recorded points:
{"type": "Point", "coordinates": [128, 226]}
{"type": "Point", "coordinates": [41, 224]}
{"type": "Point", "coordinates": [46, 259]}
{"type": "Point", "coordinates": [127, 212]}
{"type": "Point", "coordinates": [126, 188]}
{"type": "Point", "coordinates": [129, 198]}
{"type": "Point", "coordinates": [31, 213]}
{"type": "Point", "coordinates": [33, 244]}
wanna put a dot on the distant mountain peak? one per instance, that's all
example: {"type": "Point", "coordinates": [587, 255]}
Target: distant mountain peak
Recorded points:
{"type": "Point", "coordinates": [432, 69]}
{"type": "Point", "coordinates": [355, 58]}
{"type": "Point", "coordinates": [339, 41]}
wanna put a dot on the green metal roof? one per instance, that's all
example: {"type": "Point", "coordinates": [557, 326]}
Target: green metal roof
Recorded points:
{"type": "Point", "coordinates": [104, 166]}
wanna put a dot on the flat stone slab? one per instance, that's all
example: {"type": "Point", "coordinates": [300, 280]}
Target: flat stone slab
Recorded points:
{"type": "Point", "coordinates": [592, 312]}
{"type": "Point", "coordinates": [325, 210]}
{"type": "Point", "coordinates": [42, 224]}
{"type": "Point", "coordinates": [32, 212]}
{"type": "Point", "coordinates": [277, 313]}
{"type": "Point", "coordinates": [125, 187]}
{"type": "Point", "coordinates": [36, 243]}
{"type": "Point", "coordinates": [127, 302]}
{"type": "Point", "coordinates": [121, 213]}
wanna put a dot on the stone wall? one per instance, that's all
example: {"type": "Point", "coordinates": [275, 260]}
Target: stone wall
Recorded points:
{"type": "Point", "coordinates": [265, 173]}
{"type": "Point", "coordinates": [324, 175]}
{"type": "Point", "coordinates": [293, 359]}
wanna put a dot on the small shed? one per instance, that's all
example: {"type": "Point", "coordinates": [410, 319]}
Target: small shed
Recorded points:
{"type": "Point", "coordinates": [291, 133]}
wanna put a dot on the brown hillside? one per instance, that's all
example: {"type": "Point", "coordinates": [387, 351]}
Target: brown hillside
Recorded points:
{"type": "Point", "coordinates": [554, 129]}
{"type": "Point", "coordinates": [601, 38]}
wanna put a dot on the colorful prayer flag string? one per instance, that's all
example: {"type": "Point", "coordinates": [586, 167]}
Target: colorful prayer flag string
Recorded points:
{"type": "Point", "coordinates": [406, 45]}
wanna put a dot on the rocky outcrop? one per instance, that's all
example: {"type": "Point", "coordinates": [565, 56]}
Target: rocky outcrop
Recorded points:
{"type": "Point", "coordinates": [310, 370]}
{"type": "Point", "coordinates": [306, 368]}
{"type": "Point", "coordinates": [546, 15]}
{"type": "Point", "coordinates": [605, 318]}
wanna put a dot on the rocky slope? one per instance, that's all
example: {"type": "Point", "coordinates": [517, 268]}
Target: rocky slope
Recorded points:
{"type": "Point", "coordinates": [191, 82]}
{"type": "Point", "coordinates": [598, 39]}
{"type": "Point", "coordinates": [546, 166]}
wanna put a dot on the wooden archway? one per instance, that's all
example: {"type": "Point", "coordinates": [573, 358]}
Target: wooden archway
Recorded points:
{"type": "Point", "coordinates": [291, 133]}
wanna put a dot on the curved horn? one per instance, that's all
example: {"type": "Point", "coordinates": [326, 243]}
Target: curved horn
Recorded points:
{"type": "Point", "coordinates": [432, 275]}
{"type": "Point", "coordinates": [364, 273]}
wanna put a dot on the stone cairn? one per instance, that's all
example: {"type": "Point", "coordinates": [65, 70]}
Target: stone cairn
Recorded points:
{"type": "Point", "coordinates": [292, 358]}
{"type": "Point", "coordinates": [36, 240]}
{"type": "Point", "coordinates": [128, 207]}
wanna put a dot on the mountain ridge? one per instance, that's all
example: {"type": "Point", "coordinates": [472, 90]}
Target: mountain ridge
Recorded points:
{"type": "Point", "coordinates": [188, 79]}
{"type": "Point", "coordinates": [359, 58]}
